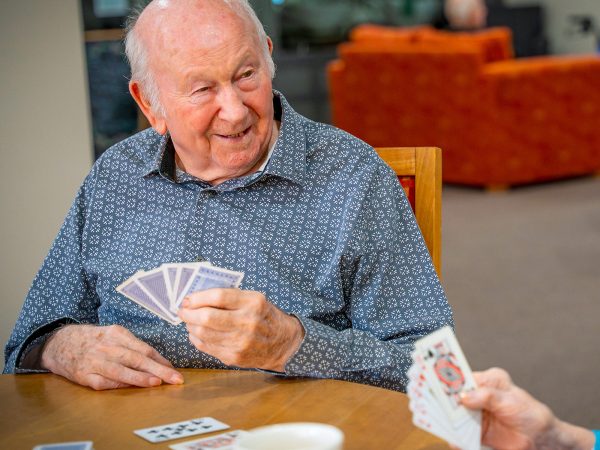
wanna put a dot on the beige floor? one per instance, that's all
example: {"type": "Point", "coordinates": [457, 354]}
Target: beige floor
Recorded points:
{"type": "Point", "coordinates": [522, 272]}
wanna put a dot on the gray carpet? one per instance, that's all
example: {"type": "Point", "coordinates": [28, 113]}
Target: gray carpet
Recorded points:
{"type": "Point", "coordinates": [522, 271]}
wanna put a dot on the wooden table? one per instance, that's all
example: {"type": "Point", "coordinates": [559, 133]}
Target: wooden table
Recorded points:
{"type": "Point", "coordinates": [45, 408]}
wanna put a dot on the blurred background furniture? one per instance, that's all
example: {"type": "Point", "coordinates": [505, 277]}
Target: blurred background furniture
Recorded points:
{"type": "Point", "coordinates": [501, 121]}
{"type": "Point", "coordinates": [419, 170]}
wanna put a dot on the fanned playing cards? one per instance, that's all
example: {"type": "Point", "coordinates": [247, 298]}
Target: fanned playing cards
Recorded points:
{"type": "Point", "coordinates": [438, 375]}
{"type": "Point", "coordinates": [162, 290]}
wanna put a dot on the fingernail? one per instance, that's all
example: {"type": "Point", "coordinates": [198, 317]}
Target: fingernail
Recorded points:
{"type": "Point", "coordinates": [466, 395]}
{"type": "Point", "coordinates": [185, 303]}
{"type": "Point", "coordinates": [177, 379]}
{"type": "Point", "coordinates": [155, 381]}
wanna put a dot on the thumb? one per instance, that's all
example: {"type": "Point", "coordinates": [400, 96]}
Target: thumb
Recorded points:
{"type": "Point", "coordinates": [477, 398]}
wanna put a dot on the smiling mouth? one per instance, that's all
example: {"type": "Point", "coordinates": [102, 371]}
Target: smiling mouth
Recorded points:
{"type": "Point", "coordinates": [235, 135]}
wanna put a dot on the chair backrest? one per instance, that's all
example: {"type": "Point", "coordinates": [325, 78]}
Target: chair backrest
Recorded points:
{"type": "Point", "coordinates": [419, 170]}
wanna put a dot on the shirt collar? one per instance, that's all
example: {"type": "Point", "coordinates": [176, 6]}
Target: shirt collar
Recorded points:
{"type": "Point", "coordinates": [286, 159]}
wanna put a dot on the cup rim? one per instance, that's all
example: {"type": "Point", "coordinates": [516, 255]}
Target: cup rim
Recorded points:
{"type": "Point", "coordinates": [335, 435]}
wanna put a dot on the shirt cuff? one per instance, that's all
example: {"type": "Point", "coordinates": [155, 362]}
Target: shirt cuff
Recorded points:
{"type": "Point", "coordinates": [30, 357]}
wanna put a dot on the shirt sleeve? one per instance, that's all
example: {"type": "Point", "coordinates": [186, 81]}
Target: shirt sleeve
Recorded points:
{"type": "Point", "coordinates": [61, 292]}
{"type": "Point", "coordinates": [392, 295]}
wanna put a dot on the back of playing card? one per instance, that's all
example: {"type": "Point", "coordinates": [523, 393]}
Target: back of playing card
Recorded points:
{"type": "Point", "coordinates": [81, 445]}
{"type": "Point", "coordinates": [208, 277]}
{"type": "Point", "coordinates": [133, 290]}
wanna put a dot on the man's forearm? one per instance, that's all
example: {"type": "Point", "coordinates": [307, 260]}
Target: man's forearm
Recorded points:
{"type": "Point", "coordinates": [564, 436]}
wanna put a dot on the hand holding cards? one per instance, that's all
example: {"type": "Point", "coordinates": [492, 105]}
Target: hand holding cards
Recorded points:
{"type": "Point", "coordinates": [438, 375]}
{"type": "Point", "coordinates": [162, 290]}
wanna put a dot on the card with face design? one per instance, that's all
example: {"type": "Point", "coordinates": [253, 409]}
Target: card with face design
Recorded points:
{"type": "Point", "coordinates": [437, 377]}
{"type": "Point", "coordinates": [223, 441]}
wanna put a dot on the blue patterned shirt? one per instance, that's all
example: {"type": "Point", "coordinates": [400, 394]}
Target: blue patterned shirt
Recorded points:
{"type": "Point", "coordinates": [325, 231]}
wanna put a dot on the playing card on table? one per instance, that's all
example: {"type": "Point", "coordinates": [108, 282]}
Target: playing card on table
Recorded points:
{"type": "Point", "coordinates": [178, 430]}
{"type": "Point", "coordinates": [439, 374]}
{"type": "Point", "coordinates": [81, 445]}
{"type": "Point", "coordinates": [225, 441]}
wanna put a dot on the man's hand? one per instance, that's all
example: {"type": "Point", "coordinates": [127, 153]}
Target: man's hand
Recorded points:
{"type": "Point", "coordinates": [513, 419]}
{"type": "Point", "coordinates": [106, 357]}
{"type": "Point", "coordinates": [241, 328]}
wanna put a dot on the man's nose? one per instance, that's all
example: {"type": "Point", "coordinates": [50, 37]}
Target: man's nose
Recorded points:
{"type": "Point", "coordinates": [231, 105]}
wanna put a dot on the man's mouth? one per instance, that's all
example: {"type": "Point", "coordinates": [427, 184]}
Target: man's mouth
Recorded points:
{"type": "Point", "coordinates": [235, 135]}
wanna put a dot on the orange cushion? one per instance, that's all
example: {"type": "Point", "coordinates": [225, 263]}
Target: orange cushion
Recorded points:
{"type": "Point", "coordinates": [370, 32]}
{"type": "Point", "coordinates": [494, 43]}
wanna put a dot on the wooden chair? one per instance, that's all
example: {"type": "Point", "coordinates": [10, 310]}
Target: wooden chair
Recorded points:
{"type": "Point", "coordinates": [419, 170]}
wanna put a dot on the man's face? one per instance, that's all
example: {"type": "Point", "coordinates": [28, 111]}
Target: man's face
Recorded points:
{"type": "Point", "coordinates": [215, 88]}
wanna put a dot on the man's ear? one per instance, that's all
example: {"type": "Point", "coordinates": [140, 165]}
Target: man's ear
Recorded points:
{"type": "Point", "coordinates": [157, 122]}
{"type": "Point", "coordinates": [270, 45]}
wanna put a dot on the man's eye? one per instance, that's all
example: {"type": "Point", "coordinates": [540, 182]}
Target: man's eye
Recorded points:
{"type": "Point", "coordinates": [200, 90]}
{"type": "Point", "coordinates": [247, 74]}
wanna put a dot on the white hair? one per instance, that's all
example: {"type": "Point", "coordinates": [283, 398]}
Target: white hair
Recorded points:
{"type": "Point", "coordinates": [137, 53]}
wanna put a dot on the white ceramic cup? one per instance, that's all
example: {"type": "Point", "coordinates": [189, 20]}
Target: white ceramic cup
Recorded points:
{"type": "Point", "coordinates": [292, 436]}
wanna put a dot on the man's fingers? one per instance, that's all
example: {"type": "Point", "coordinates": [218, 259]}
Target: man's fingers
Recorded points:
{"type": "Point", "coordinates": [143, 363]}
{"type": "Point", "coordinates": [147, 358]}
{"type": "Point", "coordinates": [107, 358]}
{"type": "Point", "coordinates": [488, 398]}
{"type": "Point", "coordinates": [153, 354]}
{"type": "Point", "coordinates": [99, 382]}
{"type": "Point", "coordinates": [125, 375]}
{"type": "Point", "coordinates": [216, 338]}
{"type": "Point", "coordinates": [217, 298]}
{"type": "Point", "coordinates": [135, 354]}
{"type": "Point", "coordinates": [212, 318]}
{"type": "Point", "coordinates": [494, 377]}
{"type": "Point", "coordinates": [129, 340]}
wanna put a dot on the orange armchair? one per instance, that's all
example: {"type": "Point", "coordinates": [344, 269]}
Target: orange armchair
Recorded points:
{"type": "Point", "coordinates": [500, 121]}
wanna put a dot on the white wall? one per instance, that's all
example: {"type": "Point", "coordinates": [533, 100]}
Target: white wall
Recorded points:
{"type": "Point", "coordinates": [558, 24]}
{"type": "Point", "coordinates": [45, 137]}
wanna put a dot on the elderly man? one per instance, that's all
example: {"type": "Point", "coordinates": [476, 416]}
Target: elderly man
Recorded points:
{"type": "Point", "coordinates": [338, 281]}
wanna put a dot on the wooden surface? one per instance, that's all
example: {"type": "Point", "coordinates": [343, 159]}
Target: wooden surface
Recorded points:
{"type": "Point", "coordinates": [46, 408]}
{"type": "Point", "coordinates": [425, 165]}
